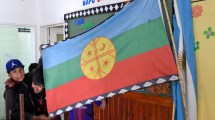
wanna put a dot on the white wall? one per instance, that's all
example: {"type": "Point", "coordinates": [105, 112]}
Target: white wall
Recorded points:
{"type": "Point", "coordinates": [52, 11]}
{"type": "Point", "coordinates": [18, 12]}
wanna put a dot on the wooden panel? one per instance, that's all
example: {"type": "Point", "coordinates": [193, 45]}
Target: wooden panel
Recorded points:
{"type": "Point", "coordinates": [120, 107]}
{"type": "Point", "coordinates": [135, 106]}
{"type": "Point", "coordinates": [112, 109]}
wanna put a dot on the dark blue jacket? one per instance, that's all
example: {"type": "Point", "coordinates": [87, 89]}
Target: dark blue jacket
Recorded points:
{"type": "Point", "coordinates": [13, 89]}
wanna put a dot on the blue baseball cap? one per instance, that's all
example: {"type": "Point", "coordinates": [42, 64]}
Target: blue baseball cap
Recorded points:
{"type": "Point", "coordinates": [13, 64]}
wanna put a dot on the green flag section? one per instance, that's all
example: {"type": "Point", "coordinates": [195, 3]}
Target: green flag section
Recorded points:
{"type": "Point", "coordinates": [127, 52]}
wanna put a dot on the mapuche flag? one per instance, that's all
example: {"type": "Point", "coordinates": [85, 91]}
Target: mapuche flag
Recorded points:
{"type": "Point", "coordinates": [128, 51]}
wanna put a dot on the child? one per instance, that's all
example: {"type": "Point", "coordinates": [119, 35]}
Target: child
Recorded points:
{"type": "Point", "coordinates": [40, 96]}
{"type": "Point", "coordinates": [14, 86]}
{"type": "Point", "coordinates": [39, 92]}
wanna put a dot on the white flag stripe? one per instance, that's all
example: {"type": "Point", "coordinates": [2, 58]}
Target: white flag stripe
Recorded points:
{"type": "Point", "coordinates": [181, 47]}
{"type": "Point", "coordinates": [161, 11]}
{"type": "Point", "coordinates": [191, 95]}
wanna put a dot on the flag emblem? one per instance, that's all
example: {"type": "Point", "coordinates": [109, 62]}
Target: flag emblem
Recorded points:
{"type": "Point", "coordinates": [98, 58]}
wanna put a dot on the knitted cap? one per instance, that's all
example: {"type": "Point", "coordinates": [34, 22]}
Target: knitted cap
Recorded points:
{"type": "Point", "coordinates": [38, 76]}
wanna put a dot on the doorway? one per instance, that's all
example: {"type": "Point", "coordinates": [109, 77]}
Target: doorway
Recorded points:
{"type": "Point", "coordinates": [55, 33]}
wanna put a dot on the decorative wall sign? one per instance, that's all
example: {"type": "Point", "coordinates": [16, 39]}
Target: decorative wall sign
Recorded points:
{"type": "Point", "coordinates": [81, 21]}
{"type": "Point", "coordinates": [204, 28]}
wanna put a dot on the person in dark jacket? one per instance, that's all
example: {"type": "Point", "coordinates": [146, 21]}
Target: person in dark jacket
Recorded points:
{"type": "Point", "coordinates": [39, 93]}
{"type": "Point", "coordinates": [14, 86]}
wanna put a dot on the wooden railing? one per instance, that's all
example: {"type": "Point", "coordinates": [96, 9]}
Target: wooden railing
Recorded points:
{"type": "Point", "coordinates": [135, 106]}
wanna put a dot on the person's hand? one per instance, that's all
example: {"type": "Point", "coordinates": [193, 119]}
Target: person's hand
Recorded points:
{"type": "Point", "coordinates": [43, 115]}
{"type": "Point", "coordinates": [103, 105]}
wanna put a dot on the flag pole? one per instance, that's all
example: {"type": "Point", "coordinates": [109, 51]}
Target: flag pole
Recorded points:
{"type": "Point", "coordinates": [173, 111]}
{"type": "Point", "coordinates": [176, 59]}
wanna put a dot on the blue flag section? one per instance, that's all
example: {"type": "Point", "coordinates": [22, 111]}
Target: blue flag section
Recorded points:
{"type": "Point", "coordinates": [176, 87]}
{"type": "Point", "coordinates": [184, 40]}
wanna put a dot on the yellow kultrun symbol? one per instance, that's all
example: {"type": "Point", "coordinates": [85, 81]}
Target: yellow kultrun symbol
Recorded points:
{"type": "Point", "coordinates": [98, 58]}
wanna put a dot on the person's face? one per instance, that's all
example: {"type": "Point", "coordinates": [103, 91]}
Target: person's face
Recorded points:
{"type": "Point", "coordinates": [17, 74]}
{"type": "Point", "coordinates": [37, 88]}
